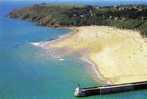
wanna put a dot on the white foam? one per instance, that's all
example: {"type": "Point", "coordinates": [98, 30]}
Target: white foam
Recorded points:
{"type": "Point", "coordinates": [61, 59]}
{"type": "Point", "coordinates": [35, 43]}
{"type": "Point", "coordinates": [42, 44]}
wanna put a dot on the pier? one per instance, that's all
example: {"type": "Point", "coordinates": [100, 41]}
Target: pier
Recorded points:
{"type": "Point", "coordinates": [109, 89]}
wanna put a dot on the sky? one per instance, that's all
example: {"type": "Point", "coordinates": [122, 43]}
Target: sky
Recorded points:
{"type": "Point", "coordinates": [112, 2]}
{"type": "Point", "coordinates": [81, 0]}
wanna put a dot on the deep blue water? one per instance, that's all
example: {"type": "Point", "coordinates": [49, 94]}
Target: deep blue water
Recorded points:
{"type": "Point", "coordinates": [27, 72]}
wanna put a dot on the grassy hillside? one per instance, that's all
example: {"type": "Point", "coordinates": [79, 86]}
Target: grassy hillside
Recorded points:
{"type": "Point", "coordinates": [129, 17]}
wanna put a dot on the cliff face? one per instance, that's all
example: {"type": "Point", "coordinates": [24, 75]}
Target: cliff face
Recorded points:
{"type": "Point", "coordinates": [53, 15]}
{"type": "Point", "coordinates": [36, 13]}
{"type": "Point", "coordinates": [129, 17]}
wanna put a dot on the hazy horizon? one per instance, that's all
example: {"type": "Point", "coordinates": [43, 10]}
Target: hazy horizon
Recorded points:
{"type": "Point", "coordinates": [93, 2]}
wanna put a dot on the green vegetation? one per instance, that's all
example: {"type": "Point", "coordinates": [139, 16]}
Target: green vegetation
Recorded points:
{"type": "Point", "coordinates": [128, 17]}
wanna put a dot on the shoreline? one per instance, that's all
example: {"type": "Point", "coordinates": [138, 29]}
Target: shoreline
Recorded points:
{"type": "Point", "coordinates": [98, 76]}
{"type": "Point", "coordinates": [83, 42]}
{"type": "Point", "coordinates": [44, 45]}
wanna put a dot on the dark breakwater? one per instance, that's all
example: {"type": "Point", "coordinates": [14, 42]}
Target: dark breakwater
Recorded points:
{"type": "Point", "coordinates": [109, 89]}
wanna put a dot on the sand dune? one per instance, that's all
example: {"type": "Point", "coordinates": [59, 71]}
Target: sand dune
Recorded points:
{"type": "Point", "coordinates": [120, 55]}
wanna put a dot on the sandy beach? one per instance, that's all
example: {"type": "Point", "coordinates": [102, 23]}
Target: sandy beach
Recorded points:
{"type": "Point", "coordinates": [119, 55]}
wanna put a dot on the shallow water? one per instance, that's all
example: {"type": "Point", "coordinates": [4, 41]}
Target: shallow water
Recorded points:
{"type": "Point", "coordinates": [27, 72]}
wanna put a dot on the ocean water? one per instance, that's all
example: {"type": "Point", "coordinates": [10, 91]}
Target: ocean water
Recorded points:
{"type": "Point", "coordinates": [28, 72]}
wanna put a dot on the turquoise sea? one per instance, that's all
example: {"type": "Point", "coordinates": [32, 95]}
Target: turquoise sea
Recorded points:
{"type": "Point", "coordinates": [27, 72]}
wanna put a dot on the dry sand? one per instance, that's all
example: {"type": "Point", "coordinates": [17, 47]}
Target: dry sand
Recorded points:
{"type": "Point", "coordinates": [120, 55]}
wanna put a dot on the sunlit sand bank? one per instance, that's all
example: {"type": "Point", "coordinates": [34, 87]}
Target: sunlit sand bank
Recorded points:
{"type": "Point", "coordinates": [120, 56]}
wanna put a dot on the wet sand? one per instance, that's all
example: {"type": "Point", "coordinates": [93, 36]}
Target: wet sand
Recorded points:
{"type": "Point", "coordinates": [118, 56]}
